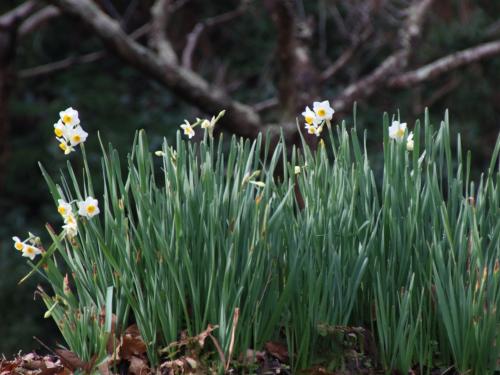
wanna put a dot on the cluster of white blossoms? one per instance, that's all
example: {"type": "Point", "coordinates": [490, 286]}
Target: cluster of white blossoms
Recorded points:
{"type": "Point", "coordinates": [29, 247]}
{"type": "Point", "coordinates": [316, 118]}
{"type": "Point", "coordinates": [397, 131]}
{"type": "Point", "coordinates": [68, 131]}
{"type": "Point", "coordinates": [70, 226]}
{"type": "Point", "coordinates": [87, 208]}
{"type": "Point", "coordinates": [206, 124]}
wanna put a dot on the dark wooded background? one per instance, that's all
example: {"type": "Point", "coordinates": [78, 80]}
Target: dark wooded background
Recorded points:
{"type": "Point", "coordinates": [134, 64]}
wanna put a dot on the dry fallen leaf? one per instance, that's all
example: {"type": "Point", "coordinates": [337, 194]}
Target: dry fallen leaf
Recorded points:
{"type": "Point", "coordinates": [192, 362]}
{"type": "Point", "coordinates": [138, 366]}
{"type": "Point", "coordinates": [188, 341]}
{"type": "Point", "coordinates": [33, 363]}
{"type": "Point", "coordinates": [60, 370]}
{"type": "Point", "coordinates": [70, 359]}
{"type": "Point", "coordinates": [131, 343]}
{"type": "Point", "coordinates": [277, 350]}
{"type": "Point", "coordinates": [104, 368]}
{"type": "Point", "coordinates": [203, 335]}
{"type": "Point", "coordinates": [252, 356]}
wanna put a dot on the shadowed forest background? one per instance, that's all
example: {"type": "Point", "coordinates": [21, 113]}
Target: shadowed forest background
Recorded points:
{"type": "Point", "coordinates": [262, 60]}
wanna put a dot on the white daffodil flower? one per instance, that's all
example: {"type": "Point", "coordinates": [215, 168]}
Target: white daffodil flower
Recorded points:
{"type": "Point", "coordinates": [208, 124]}
{"type": "Point", "coordinates": [18, 244]}
{"type": "Point", "coordinates": [318, 130]}
{"type": "Point", "coordinates": [88, 208]}
{"type": "Point", "coordinates": [61, 130]}
{"type": "Point", "coordinates": [31, 251]}
{"type": "Point", "coordinates": [68, 131]}
{"type": "Point", "coordinates": [63, 145]}
{"type": "Point", "coordinates": [397, 130]}
{"type": "Point", "coordinates": [311, 129]}
{"type": "Point", "coordinates": [77, 135]}
{"type": "Point", "coordinates": [69, 117]}
{"type": "Point", "coordinates": [34, 239]}
{"type": "Point", "coordinates": [69, 219]}
{"type": "Point", "coordinates": [188, 129]}
{"type": "Point", "coordinates": [410, 144]}
{"type": "Point", "coordinates": [296, 169]}
{"type": "Point", "coordinates": [71, 230]}
{"type": "Point", "coordinates": [310, 117]}
{"type": "Point", "coordinates": [70, 227]}
{"type": "Point", "coordinates": [323, 110]}
{"type": "Point", "coordinates": [63, 207]}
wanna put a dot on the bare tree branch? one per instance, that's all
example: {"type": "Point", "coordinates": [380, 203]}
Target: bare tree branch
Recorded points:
{"type": "Point", "coordinates": [194, 36]}
{"type": "Point", "coordinates": [64, 64]}
{"type": "Point", "coordinates": [339, 21]}
{"type": "Point", "coordinates": [178, 4]}
{"type": "Point", "coordinates": [38, 19]}
{"type": "Point", "coordinates": [20, 12]}
{"type": "Point", "coordinates": [185, 83]}
{"type": "Point", "coordinates": [366, 86]}
{"type": "Point", "coordinates": [493, 30]}
{"type": "Point", "coordinates": [345, 57]}
{"type": "Point", "coordinates": [129, 11]}
{"type": "Point", "coordinates": [109, 7]}
{"type": "Point", "coordinates": [393, 64]}
{"type": "Point", "coordinates": [412, 29]}
{"type": "Point", "coordinates": [160, 13]}
{"type": "Point", "coordinates": [266, 104]}
{"type": "Point", "coordinates": [388, 74]}
{"type": "Point", "coordinates": [445, 64]}
{"type": "Point", "coordinates": [57, 66]}
{"type": "Point", "coordinates": [441, 92]}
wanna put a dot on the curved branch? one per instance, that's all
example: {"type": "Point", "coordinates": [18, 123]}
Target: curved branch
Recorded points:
{"type": "Point", "coordinates": [194, 36]}
{"type": "Point", "coordinates": [57, 66]}
{"type": "Point", "coordinates": [160, 13]}
{"type": "Point", "coordinates": [445, 64]}
{"type": "Point", "coordinates": [366, 86]}
{"type": "Point", "coordinates": [393, 64]}
{"type": "Point", "coordinates": [37, 20]}
{"type": "Point", "coordinates": [13, 16]}
{"type": "Point", "coordinates": [266, 104]}
{"type": "Point", "coordinates": [346, 56]}
{"type": "Point", "coordinates": [240, 118]}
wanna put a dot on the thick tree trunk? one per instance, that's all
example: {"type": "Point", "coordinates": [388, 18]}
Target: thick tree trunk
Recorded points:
{"type": "Point", "coordinates": [298, 81]}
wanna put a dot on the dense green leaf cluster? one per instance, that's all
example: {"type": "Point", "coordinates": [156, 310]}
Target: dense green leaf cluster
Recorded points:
{"type": "Point", "coordinates": [300, 241]}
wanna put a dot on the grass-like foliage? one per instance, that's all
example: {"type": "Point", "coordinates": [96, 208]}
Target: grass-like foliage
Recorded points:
{"type": "Point", "coordinates": [276, 243]}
